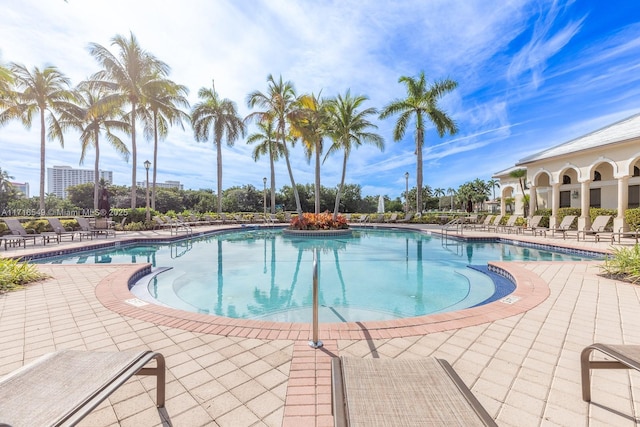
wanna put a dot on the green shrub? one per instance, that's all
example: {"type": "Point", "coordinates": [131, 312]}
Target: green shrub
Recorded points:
{"type": "Point", "coordinates": [15, 273]}
{"type": "Point", "coordinates": [632, 217]}
{"type": "Point", "coordinates": [136, 226]}
{"type": "Point", "coordinates": [624, 264]}
{"type": "Point", "coordinates": [140, 214]}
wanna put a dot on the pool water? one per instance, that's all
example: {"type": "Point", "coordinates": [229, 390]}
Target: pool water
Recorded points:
{"type": "Point", "coordinates": [370, 275]}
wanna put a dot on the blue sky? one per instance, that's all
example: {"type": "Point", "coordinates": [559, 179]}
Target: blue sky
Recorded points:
{"type": "Point", "coordinates": [531, 74]}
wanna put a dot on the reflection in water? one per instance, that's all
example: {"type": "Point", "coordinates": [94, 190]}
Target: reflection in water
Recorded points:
{"type": "Point", "coordinates": [260, 274]}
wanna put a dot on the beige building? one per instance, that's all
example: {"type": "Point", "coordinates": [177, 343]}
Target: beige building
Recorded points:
{"type": "Point", "coordinates": [600, 169]}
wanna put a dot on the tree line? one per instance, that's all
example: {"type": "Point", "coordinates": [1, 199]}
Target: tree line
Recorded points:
{"type": "Point", "coordinates": [132, 89]}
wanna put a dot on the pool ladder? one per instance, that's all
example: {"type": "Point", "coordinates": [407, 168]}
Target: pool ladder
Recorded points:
{"type": "Point", "coordinates": [455, 226]}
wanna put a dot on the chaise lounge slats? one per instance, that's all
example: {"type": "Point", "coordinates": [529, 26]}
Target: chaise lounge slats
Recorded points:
{"type": "Point", "coordinates": [61, 388]}
{"type": "Point", "coordinates": [624, 357]}
{"type": "Point", "coordinates": [402, 392]}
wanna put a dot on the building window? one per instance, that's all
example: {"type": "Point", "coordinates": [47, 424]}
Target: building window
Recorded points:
{"type": "Point", "coordinates": [565, 199]}
{"type": "Point", "coordinates": [597, 176]}
{"type": "Point", "coordinates": [636, 171]}
{"type": "Point", "coordinates": [566, 179]}
{"type": "Point", "coordinates": [594, 198]}
{"type": "Point", "coordinates": [634, 196]}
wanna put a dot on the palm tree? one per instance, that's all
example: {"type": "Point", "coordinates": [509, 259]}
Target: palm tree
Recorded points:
{"type": "Point", "coordinates": [127, 74]}
{"type": "Point", "coordinates": [6, 80]}
{"type": "Point", "coordinates": [348, 129]}
{"type": "Point", "coordinates": [493, 183]}
{"type": "Point", "coordinates": [277, 105]}
{"type": "Point", "coordinates": [421, 102]}
{"type": "Point", "coordinates": [519, 174]}
{"type": "Point", "coordinates": [219, 117]}
{"type": "Point", "coordinates": [267, 140]}
{"type": "Point", "coordinates": [43, 91]}
{"type": "Point", "coordinates": [451, 192]}
{"type": "Point", "coordinates": [5, 181]}
{"type": "Point", "coordinates": [439, 192]}
{"type": "Point", "coordinates": [309, 123]}
{"type": "Point", "coordinates": [160, 109]}
{"type": "Point", "coordinates": [95, 111]}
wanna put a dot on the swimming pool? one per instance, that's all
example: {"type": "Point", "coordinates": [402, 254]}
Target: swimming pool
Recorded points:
{"type": "Point", "coordinates": [371, 275]}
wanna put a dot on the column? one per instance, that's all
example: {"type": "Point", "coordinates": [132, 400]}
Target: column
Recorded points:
{"type": "Point", "coordinates": [555, 204]}
{"type": "Point", "coordinates": [619, 223]}
{"type": "Point", "coordinates": [533, 195]}
{"type": "Point", "coordinates": [585, 198]}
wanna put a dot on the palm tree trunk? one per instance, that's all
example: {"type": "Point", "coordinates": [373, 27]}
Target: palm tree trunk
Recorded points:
{"type": "Point", "coordinates": [96, 173]}
{"type": "Point", "coordinates": [317, 195]}
{"type": "Point", "coordinates": [419, 138]}
{"type": "Point", "coordinates": [273, 180]}
{"type": "Point", "coordinates": [219, 173]}
{"type": "Point", "coordinates": [42, 155]}
{"type": "Point", "coordinates": [155, 159]}
{"type": "Point", "coordinates": [293, 182]}
{"type": "Point", "coordinates": [336, 207]}
{"type": "Point", "coordinates": [134, 155]}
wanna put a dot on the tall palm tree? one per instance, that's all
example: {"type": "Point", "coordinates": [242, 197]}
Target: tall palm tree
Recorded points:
{"type": "Point", "coordinates": [6, 82]}
{"type": "Point", "coordinates": [127, 74]}
{"type": "Point", "coordinates": [44, 92]}
{"type": "Point", "coordinates": [439, 192]}
{"type": "Point", "coordinates": [93, 112]}
{"type": "Point", "coordinates": [219, 117]}
{"type": "Point", "coordinates": [5, 181]}
{"type": "Point", "coordinates": [422, 104]}
{"type": "Point", "coordinates": [277, 104]}
{"type": "Point", "coordinates": [520, 174]}
{"type": "Point", "coordinates": [349, 129]}
{"type": "Point", "coordinates": [267, 140]}
{"type": "Point", "coordinates": [309, 122]}
{"type": "Point", "coordinates": [451, 192]}
{"type": "Point", "coordinates": [493, 183]}
{"type": "Point", "coordinates": [160, 109]}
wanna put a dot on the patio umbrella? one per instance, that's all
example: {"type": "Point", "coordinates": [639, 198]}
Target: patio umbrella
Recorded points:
{"type": "Point", "coordinates": [381, 204]}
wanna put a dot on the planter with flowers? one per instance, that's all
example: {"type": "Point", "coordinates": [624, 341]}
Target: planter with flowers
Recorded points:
{"type": "Point", "coordinates": [320, 225]}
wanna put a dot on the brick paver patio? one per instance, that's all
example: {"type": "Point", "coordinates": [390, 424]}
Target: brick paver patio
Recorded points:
{"type": "Point", "coordinates": [520, 360]}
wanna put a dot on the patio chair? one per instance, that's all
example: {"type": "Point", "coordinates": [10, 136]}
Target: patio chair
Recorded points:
{"type": "Point", "coordinates": [599, 225]}
{"type": "Point", "coordinates": [240, 219]}
{"type": "Point", "coordinates": [624, 357]}
{"type": "Point", "coordinates": [509, 226]}
{"type": "Point", "coordinates": [495, 225]}
{"type": "Point", "coordinates": [484, 224]}
{"type": "Point", "coordinates": [213, 221]}
{"type": "Point", "coordinates": [62, 388]}
{"type": "Point", "coordinates": [407, 218]}
{"type": "Point", "coordinates": [20, 233]}
{"type": "Point", "coordinates": [632, 234]}
{"type": "Point", "coordinates": [563, 227]}
{"type": "Point", "coordinates": [88, 230]}
{"type": "Point", "coordinates": [59, 229]}
{"type": "Point", "coordinates": [534, 226]}
{"type": "Point", "coordinates": [392, 218]}
{"type": "Point", "coordinates": [378, 392]}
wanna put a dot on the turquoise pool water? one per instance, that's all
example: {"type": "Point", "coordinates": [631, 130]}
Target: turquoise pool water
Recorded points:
{"type": "Point", "coordinates": [371, 275]}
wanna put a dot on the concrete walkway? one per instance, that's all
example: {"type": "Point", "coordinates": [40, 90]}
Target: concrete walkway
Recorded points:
{"type": "Point", "coordinates": [523, 366]}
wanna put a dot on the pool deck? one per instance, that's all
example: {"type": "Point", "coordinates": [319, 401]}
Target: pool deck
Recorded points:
{"type": "Point", "coordinates": [520, 357]}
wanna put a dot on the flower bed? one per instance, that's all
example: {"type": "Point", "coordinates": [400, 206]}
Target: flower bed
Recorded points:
{"type": "Point", "coordinates": [322, 221]}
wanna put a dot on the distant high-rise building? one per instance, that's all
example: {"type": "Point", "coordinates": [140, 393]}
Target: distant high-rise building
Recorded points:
{"type": "Point", "coordinates": [59, 178]}
{"type": "Point", "coordinates": [166, 184]}
{"type": "Point", "coordinates": [22, 187]}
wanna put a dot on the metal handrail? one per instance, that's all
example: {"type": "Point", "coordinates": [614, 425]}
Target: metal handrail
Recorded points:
{"type": "Point", "coordinates": [315, 342]}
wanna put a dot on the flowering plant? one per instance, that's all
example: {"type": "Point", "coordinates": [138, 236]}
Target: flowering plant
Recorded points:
{"type": "Point", "coordinates": [322, 221]}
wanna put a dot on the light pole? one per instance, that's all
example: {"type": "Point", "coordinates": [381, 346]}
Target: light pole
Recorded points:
{"type": "Point", "coordinates": [264, 196]}
{"type": "Point", "coordinates": [147, 165]}
{"type": "Point", "coordinates": [406, 194]}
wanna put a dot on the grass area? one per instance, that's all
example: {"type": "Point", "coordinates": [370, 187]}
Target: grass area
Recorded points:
{"type": "Point", "coordinates": [14, 274]}
{"type": "Point", "coordinates": [624, 264]}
